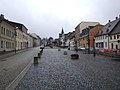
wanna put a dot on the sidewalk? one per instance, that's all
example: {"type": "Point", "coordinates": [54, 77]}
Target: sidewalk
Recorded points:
{"type": "Point", "coordinates": [14, 66]}
{"type": "Point", "coordinates": [8, 54]}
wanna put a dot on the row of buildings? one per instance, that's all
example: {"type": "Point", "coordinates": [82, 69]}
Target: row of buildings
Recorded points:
{"type": "Point", "coordinates": [93, 35]}
{"type": "Point", "coordinates": [14, 36]}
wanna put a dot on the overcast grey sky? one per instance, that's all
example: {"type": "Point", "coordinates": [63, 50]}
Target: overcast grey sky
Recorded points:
{"type": "Point", "coordinates": [47, 17]}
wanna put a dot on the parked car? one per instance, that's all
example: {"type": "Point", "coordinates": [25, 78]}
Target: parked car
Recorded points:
{"type": "Point", "coordinates": [42, 47]}
{"type": "Point", "coordinates": [81, 48]}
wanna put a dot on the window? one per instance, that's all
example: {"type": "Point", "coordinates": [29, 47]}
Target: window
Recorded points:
{"type": "Point", "coordinates": [116, 46]}
{"type": "Point", "coordinates": [1, 30]}
{"type": "Point", "coordinates": [10, 34]}
{"type": "Point", "coordinates": [112, 45]}
{"type": "Point", "coordinates": [107, 30]}
{"type": "Point", "coordinates": [117, 36]}
{"type": "Point", "coordinates": [7, 45]}
{"type": "Point", "coordinates": [102, 45]}
{"type": "Point", "coordinates": [114, 36]}
{"type": "Point", "coordinates": [105, 36]}
{"type": "Point", "coordinates": [110, 37]}
{"type": "Point", "coordinates": [96, 44]}
{"type": "Point", "coordinates": [7, 32]}
{"type": "Point", "coordinates": [105, 44]}
{"type": "Point", "coordinates": [4, 31]}
{"type": "Point", "coordinates": [1, 44]}
{"type": "Point", "coordinates": [102, 37]}
{"type": "Point", "coordinates": [13, 45]}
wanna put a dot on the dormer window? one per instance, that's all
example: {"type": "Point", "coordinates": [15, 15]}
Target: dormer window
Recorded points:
{"type": "Point", "coordinates": [107, 30]}
{"type": "Point", "coordinates": [109, 25]}
{"type": "Point", "coordinates": [101, 32]}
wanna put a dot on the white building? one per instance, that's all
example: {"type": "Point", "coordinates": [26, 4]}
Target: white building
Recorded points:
{"type": "Point", "coordinates": [104, 40]}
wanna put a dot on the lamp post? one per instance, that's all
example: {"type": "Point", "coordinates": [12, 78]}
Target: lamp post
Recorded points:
{"type": "Point", "coordinates": [94, 47]}
{"type": "Point", "coordinates": [69, 46]}
{"type": "Point", "coordinates": [88, 44]}
{"type": "Point", "coordinates": [15, 38]}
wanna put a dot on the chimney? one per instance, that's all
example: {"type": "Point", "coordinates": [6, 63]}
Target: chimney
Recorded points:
{"type": "Point", "coordinates": [109, 21]}
{"type": "Point", "coordinates": [2, 16]}
{"type": "Point", "coordinates": [116, 18]}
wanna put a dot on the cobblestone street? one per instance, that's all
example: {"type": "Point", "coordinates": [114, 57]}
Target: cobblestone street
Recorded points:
{"type": "Point", "coordinates": [56, 71]}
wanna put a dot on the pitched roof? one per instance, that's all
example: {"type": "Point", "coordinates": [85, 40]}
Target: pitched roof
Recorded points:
{"type": "Point", "coordinates": [14, 24]}
{"type": "Point", "coordinates": [5, 20]}
{"type": "Point", "coordinates": [108, 28]}
{"type": "Point", "coordinates": [116, 30]}
{"type": "Point", "coordinates": [85, 31]}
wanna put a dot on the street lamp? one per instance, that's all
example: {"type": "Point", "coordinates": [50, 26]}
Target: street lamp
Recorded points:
{"type": "Point", "coordinates": [94, 47]}
{"type": "Point", "coordinates": [88, 44]}
{"type": "Point", "coordinates": [69, 46]}
{"type": "Point", "coordinates": [15, 38]}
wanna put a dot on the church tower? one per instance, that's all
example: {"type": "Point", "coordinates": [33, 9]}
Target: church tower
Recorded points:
{"type": "Point", "coordinates": [62, 31]}
{"type": "Point", "coordinates": [62, 38]}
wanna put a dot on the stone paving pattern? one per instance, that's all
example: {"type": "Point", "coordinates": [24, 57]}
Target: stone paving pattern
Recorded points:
{"type": "Point", "coordinates": [56, 71]}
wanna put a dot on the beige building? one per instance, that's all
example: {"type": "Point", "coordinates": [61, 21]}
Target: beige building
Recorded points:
{"type": "Point", "coordinates": [19, 39]}
{"type": "Point", "coordinates": [30, 41]}
{"type": "Point", "coordinates": [7, 35]}
{"type": "Point", "coordinates": [21, 35]}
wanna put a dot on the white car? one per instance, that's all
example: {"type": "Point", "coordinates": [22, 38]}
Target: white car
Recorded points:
{"type": "Point", "coordinates": [81, 48]}
{"type": "Point", "coordinates": [42, 47]}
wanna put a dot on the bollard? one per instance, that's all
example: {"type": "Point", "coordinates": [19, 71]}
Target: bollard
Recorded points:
{"type": "Point", "coordinates": [35, 60]}
{"type": "Point", "coordinates": [74, 56]}
{"type": "Point", "coordinates": [68, 48]}
{"type": "Point", "coordinates": [59, 49]}
{"type": "Point", "coordinates": [65, 52]}
{"type": "Point", "coordinates": [39, 55]}
{"type": "Point", "coordinates": [41, 52]}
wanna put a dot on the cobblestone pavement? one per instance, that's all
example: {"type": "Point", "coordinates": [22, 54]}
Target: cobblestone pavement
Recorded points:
{"type": "Point", "coordinates": [12, 66]}
{"type": "Point", "coordinates": [56, 71]}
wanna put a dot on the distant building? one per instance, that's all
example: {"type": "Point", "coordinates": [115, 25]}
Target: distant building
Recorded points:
{"type": "Point", "coordinates": [36, 40]}
{"type": "Point", "coordinates": [87, 36]}
{"type": "Point", "coordinates": [84, 37]}
{"type": "Point", "coordinates": [21, 35]}
{"type": "Point", "coordinates": [62, 38]}
{"type": "Point", "coordinates": [70, 40]}
{"type": "Point", "coordinates": [79, 28]}
{"type": "Point", "coordinates": [30, 41]}
{"type": "Point", "coordinates": [92, 34]}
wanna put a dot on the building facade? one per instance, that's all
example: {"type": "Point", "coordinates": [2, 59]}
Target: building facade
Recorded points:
{"type": "Point", "coordinates": [79, 28]}
{"type": "Point", "coordinates": [107, 36]}
{"type": "Point", "coordinates": [93, 32]}
{"type": "Point", "coordinates": [114, 38]}
{"type": "Point", "coordinates": [7, 35]}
